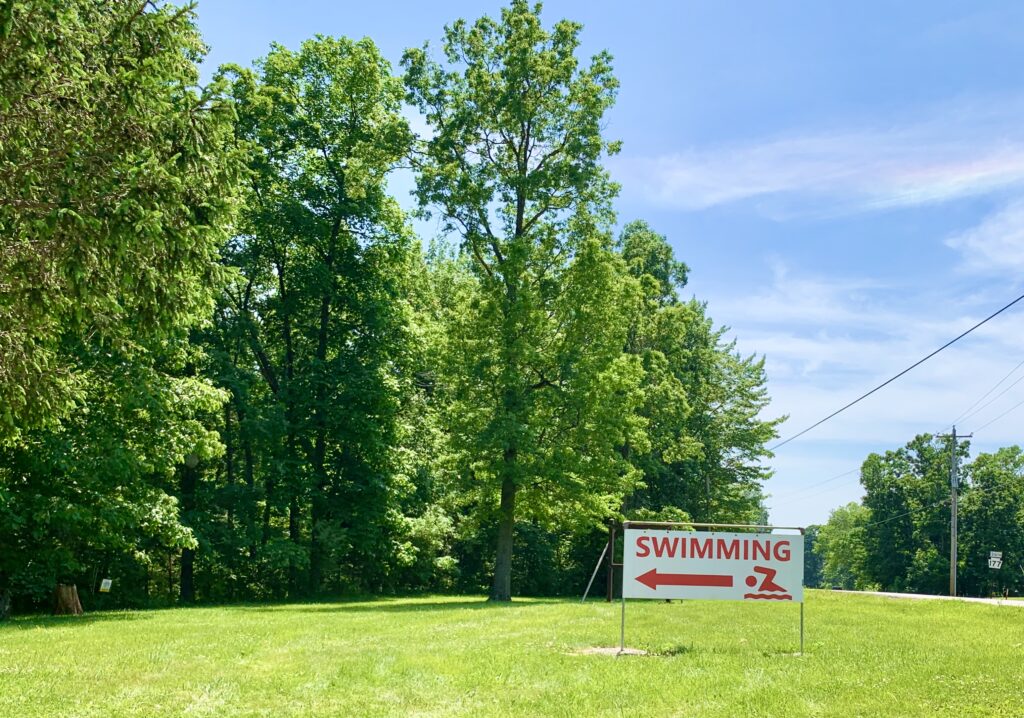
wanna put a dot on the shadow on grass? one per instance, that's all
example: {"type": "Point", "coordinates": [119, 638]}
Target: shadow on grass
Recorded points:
{"type": "Point", "coordinates": [391, 605]}
{"type": "Point", "coordinates": [38, 621]}
{"type": "Point", "coordinates": [368, 604]}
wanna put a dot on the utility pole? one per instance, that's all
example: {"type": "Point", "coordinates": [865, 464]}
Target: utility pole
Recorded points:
{"type": "Point", "coordinates": [954, 486]}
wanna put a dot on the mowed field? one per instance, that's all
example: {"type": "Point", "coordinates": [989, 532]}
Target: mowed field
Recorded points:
{"type": "Point", "coordinates": [459, 656]}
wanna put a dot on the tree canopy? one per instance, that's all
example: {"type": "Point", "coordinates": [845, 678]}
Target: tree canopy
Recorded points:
{"type": "Point", "coordinates": [230, 370]}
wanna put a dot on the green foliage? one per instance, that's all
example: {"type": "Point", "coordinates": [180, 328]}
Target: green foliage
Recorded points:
{"type": "Point", "coordinates": [311, 336]}
{"type": "Point", "coordinates": [899, 539]}
{"type": "Point", "coordinates": [115, 191]}
{"type": "Point", "coordinates": [384, 419]}
{"type": "Point", "coordinates": [99, 485]}
{"type": "Point", "coordinates": [813, 562]}
{"type": "Point", "coordinates": [907, 493]}
{"type": "Point", "coordinates": [992, 519]}
{"type": "Point", "coordinates": [117, 187]}
{"type": "Point", "coordinates": [840, 544]}
{"type": "Point", "coordinates": [702, 400]}
{"type": "Point", "coordinates": [538, 393]}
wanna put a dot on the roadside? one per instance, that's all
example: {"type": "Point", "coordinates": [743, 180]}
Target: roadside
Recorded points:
{"type": "Point", "coordinates": [1018, 602]}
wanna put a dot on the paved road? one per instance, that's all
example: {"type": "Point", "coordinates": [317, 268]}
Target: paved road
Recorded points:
{"type": "Point", "coordinates": [922, 597]}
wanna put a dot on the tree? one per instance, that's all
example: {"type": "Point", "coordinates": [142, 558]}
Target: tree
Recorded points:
{"type": "Point", "coordinates": [907, 492]}
{"type": "Point", "coordinates": [840, 546]}
{"type": "Point", "coordinates": [115, 189]}
{"type": "Point", "coordinates": [320, 308]}
{"type": "Point", "coordinates": [117, 186]}
{"type": "Point", "coordinates": [702, 400]}
{"type": "Point", "coordinates": [813, 562]}
{"type": "Point", "coordinates": [992, 519]}
{"type": "Point", "coordinates": [100, 484]}
{"type": "Point", "coordinates": [542, 397]}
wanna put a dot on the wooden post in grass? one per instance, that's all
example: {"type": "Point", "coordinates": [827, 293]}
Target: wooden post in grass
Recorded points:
{"type": "Point", "coordinates": [611, 563]}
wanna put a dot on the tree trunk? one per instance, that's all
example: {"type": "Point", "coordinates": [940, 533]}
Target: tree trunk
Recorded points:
{"type": "Point", "coordinates": [67, 600]}
{"type": "Point", "coordinates": [229, 466]}
{"type": "Point", "coordinates": [501, 590]}
{"type": "Point", "coordinates": [316, 548]}
{"type": "Point", "coordinates": [251, 508]}
{"type": "Point", "coordinates": [318, 508]}
{"type": "Point", "coordinates": [187, 589]}
{"type": "Point", "coordinates": [293, 536]}
{"type": "Point", "coordinates": [5, 603]}
{"type": "Point", "coordinates": [189, 478]}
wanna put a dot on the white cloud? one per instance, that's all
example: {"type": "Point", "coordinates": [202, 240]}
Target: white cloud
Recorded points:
{"type": "Point", "coordinates": [829, 340]}
{"type": "Point", "coordinates": [962, 150]}
{"type": "Point", "coordinates": [996, 245]}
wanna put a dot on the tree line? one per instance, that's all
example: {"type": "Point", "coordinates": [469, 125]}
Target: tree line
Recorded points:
{"type": "Point", "coordinates": [230, 370]}
{"type": "Point", "coordinates": [897, 538]}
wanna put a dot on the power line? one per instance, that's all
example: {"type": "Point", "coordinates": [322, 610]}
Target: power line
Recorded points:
{"type": "Point", "coordinates": [906, 513]}
{"type": "Point", "coordinates": [1018, 404]}
{"type": "Point", "coordinates": [894, 378]}
{"type": "Point", "coordinates": [893, 518]}
{"type": "Point", "coordinates": [804, 489]}
{"type": "Point", "coordinates": [967, 412]}
{"type": "Point", "coordinates": [993, 400]}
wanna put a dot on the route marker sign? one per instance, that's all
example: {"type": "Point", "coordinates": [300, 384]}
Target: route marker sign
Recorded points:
{"type": "Point", "coordinates": [995, 559]}
{"type": "Point", "coordinates": [660, 564]}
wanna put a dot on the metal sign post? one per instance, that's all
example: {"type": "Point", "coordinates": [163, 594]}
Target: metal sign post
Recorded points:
{"type": "Point", "coordinates": [664, 560]}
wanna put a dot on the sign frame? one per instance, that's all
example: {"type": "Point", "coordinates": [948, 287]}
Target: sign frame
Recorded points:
{"type": "Point", "coordinates": [691, 528]}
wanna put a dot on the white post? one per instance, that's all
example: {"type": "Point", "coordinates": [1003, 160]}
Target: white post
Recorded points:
{"type": "Point", "coordinates": [801, 628]}
{"type": "Point", "coordinates": [622, 631]}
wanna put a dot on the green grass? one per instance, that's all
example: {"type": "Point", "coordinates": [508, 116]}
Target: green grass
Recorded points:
{"type": "Point", "coordinates": [442, 656]}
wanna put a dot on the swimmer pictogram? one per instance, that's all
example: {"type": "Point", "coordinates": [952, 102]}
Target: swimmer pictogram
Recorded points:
{"type": "Point", "coordinates": [768, 590]}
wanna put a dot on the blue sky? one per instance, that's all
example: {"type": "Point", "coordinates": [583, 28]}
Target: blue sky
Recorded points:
{"type": "Point", "coordinates": [845, 180]}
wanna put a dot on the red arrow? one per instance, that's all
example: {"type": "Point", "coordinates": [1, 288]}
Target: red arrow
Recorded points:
{"type": "Point", "coordinates": [653, 579]}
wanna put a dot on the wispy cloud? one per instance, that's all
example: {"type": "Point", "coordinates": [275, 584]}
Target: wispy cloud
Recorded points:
{"type": "Point", "coordinates": [827, 340]}
{"type": "Point", "coordinates": [996, 245]}
{"type": "Point", "coordinates": [963, 150]}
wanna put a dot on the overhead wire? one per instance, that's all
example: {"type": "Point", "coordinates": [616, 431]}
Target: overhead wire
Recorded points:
{"type": "Point", "coordinates": [967, 412]}
{"type": "Point", "coordinates": [993, 400]}
{"type": "Point", "coordinates": [897, 376]}
{"type": "Point", "coordinates": [906, 513]}
{"type": "Point", "coordinates": [1012, 408]}
{"type": "Point", "coordinates": [803, 489]}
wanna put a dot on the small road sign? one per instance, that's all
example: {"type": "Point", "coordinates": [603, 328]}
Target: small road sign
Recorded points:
{"type": "Point", "coordinates": [995, 563]}
{"type": "Point", "coordinates": [713, 565]}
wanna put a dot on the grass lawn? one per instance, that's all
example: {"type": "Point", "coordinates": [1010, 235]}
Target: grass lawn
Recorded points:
{"type": "Point", "coordinates": [444, 656]}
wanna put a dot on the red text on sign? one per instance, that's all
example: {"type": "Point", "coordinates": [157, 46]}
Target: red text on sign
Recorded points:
{"type": "Point", "coordinates": [695, 547]}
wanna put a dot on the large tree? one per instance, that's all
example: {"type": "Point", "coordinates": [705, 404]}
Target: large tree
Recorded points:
{"type": "Point", "coordinates": [907, 492]}
{"type": "Point", "coordinates": [702, 400]}
{"type": "Point", "coordinates": [542, 396]}
{"type": "Point", "coordinates": [114, 189]}
{"type": "Point", "coordinates": [78, 496]}
{"type": "Point", "coordinates": [320, 307]}
{"type": "Point", "coordinates": [117, 186]}
{"type": "Point", "coordinates": [993, 520]}
{"type": "Point", "coordinates": [840, 546]}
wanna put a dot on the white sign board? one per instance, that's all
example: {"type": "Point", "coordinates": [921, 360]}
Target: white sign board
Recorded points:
{"type": "Point", "coordinates": [105, 585]}
{"type": "Point", "coordinates": [713, 565]}
{"type": "Point", "coordinates": [995, 554]}
{"type": "Point", "coordinates": [995, 563]}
